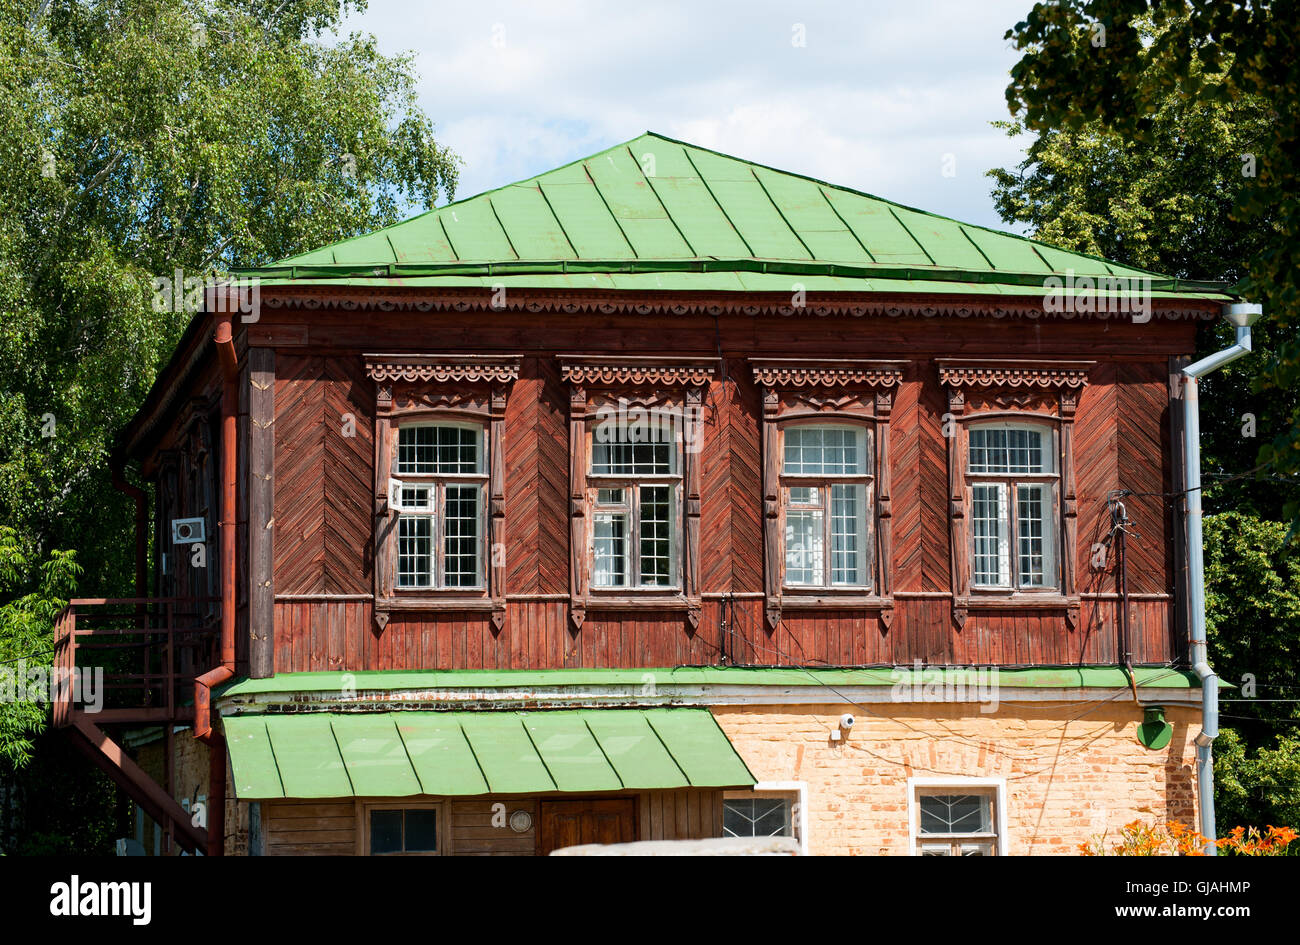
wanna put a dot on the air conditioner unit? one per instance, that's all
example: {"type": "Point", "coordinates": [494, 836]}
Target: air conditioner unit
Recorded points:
{"type": "Point", "coordinates": [187, 531]}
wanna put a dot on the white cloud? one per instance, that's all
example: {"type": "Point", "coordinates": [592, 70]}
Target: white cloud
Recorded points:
{"type": "Point", "coordinates": [876, 98]}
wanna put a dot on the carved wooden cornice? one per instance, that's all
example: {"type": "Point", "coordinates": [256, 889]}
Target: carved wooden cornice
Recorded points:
{"type": "Point", "coordinates": [630, 372]}
{"type": "Point", "coordinates": [1045, 375]}
{"type": "Point", "coordinates": [541, 301]}
{"type": "Point", "coordinates": [795, 372]}
{"type": "Point", "coordinates": [442, 368]}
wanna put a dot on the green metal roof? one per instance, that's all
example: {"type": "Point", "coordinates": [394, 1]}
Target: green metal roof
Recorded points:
{"type": "Point", "coordinates": [655, 213]}
{"type": "Point", "coordinates": [400, 754]}
{"type": "Point", "coordinates": [1048, 677]}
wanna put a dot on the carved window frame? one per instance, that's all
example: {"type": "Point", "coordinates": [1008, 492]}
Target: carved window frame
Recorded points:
{"type": "Point", "coordinates": [1044, 392]}
{"type": "Point", "coordinates": [673, 384]}
{"type": "Point", "coordinates": [806, 391]}
{"type": "Point", "coordinates": [434, 388]}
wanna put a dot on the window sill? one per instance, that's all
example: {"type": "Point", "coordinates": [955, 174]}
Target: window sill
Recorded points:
{"type": "Point", "coordinates": [443, 604]}
{"type": "Point", "coordinates": [650, 600]}
{"type": "Point", "coordinates": [829, 600]}
{"type": "Point", "coordinates": [1012, 600]}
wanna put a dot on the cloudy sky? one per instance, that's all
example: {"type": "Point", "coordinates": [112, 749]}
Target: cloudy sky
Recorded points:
{"type": "Point", "coordinates": [878, 96]}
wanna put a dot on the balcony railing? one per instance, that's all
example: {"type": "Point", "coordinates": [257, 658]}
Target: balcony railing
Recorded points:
{"type": "Point", "coordinates": [132, 659]}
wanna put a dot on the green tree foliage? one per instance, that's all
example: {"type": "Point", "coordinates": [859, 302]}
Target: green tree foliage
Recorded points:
{"type": "Point", "coordinates": [1149, 119]}
{"type": "Point", "coordinates": [26, 636]}
{"type": "Point", "coordinates": [138, 138]}
{"type": "Point", "coordinates": [1165, 202]}
{"type": "Point", "coordinates": [1253, 624]}
{"type": "Point", "coordinates": [1125, 67]}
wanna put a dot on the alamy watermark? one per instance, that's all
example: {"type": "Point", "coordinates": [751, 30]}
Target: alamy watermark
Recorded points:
{"type": "Point", "coordinates": [1087, 295]}
{"type": "Point", "coordinates": [946, 684]}
{"type": "Point", "coordinates": [179, 293]}
{"type": "Point", "coordinates": [42, 684]}
{"type": "Point", "coordinates": [627, 423]}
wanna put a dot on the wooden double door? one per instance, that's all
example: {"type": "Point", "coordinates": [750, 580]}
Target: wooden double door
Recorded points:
{"type": "Point", "coordinates": [569, 823]}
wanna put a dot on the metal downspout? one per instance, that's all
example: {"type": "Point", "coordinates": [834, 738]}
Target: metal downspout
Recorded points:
{"type": "Point", "coordinates": [1242, 315]}
{"type": "Point", "coordinates": [223, 338]}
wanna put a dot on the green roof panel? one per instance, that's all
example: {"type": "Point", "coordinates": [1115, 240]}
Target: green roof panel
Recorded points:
{"type": "Point", "coordinates": [440, 754]}
{"type": "Point", "coordinates": [698, 219]}
{"type": "Point", "coordinates": [700, 750]}
{"type": "Point", "coordinates": [506, 754]}
{"type": "Point", "coordinates": [571, 755]}
{"type": "Point", "coordinates": [252, 762]}
{"type": "Point", "coordinates": [635, 750]}
{"type": "Point", "coordinates": [472, 753]}
{"type": "Point", "coordinates": [375, 756]}
{"type": "Point", "coordinates": [308, 756]}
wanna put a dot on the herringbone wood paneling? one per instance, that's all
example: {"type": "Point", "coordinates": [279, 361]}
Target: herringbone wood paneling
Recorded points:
{"type": "Point", "coordinates": [323, 476]}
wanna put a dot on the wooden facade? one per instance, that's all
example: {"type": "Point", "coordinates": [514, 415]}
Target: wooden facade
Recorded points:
{"type": "Point", "coordinates": [314, 413]}
{"type": "Point", "coordinates": [481, 826]}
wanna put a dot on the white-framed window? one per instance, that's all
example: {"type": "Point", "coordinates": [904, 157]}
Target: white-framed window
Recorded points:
{"type": "Point", "coordinates": [770, 809]}
{"type": "Point", "coordinates": [400, 830]}
{"type": "Point", "coordinates": [957, 817]}
{"type": "Point", "coordinates": [827, 488]}
{"type": "Point", "coordinates": [439, 490]}
{"type": "Point", "coordinates": [635, 482]}
{"type": "Point", "coordinates": [1013, 480]}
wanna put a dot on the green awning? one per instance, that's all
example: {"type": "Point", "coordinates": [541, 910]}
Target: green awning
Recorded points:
{"type": "Point", "coordinates": [399, 754]}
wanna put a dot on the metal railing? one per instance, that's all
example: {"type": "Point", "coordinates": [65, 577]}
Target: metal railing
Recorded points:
{"type": "Point", "coordinates": [132, 659]}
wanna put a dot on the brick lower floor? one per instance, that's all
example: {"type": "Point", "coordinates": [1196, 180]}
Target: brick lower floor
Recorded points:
{"type": "Point", "coordinates": [1064, 773]}
{"type": "Point", "coordinates": [1056, 775]}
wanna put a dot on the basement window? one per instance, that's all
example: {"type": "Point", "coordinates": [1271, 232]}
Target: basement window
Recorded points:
{"type": "Point", "coordinates": [956, 820]}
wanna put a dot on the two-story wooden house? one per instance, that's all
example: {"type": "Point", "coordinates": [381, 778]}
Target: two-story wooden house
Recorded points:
{"type": "Point", "coordinates": [662, 495]}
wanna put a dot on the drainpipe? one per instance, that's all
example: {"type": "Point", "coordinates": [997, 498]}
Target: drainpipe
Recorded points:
{"type": "Point", "coordinates": [1242, 315]}
{"type": "Point", "coordinates": [141, 523]}
{"type": "Point", "coordinates": [223, 338]}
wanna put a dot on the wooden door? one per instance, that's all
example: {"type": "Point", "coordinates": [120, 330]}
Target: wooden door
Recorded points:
{"type": "Point", "coordinates": [569, 823]}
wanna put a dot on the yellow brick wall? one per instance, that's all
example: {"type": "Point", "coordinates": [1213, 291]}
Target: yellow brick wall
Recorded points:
{"type": "Point", "coordinates": [1071, 771]}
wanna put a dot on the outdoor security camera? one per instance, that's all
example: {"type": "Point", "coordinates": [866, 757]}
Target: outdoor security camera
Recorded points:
{"type": "Point", "coordinates": [1243, 314]}
{"type": "Point", "coordinates": [846, 721]}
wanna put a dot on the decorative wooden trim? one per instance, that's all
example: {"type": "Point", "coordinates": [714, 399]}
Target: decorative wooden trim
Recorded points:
{"type": "Point", "coordinates": [406, 386]}
{"type": "Point", "coordinates": [577, 505]}
{"type": "Point", "coordinates": [611, 376]}
{"type": "Point", "coordinates": [692, 436]}
{"type": "Point", "coordinates": [1041, 374]}
{"type": "Point", "coordinates": [862, 304]}
{"type": "Point", "coordinates": [801, 372]}
{"type": "Point", "coordinates": [595, 372]}
{"type": "Point", "coordinates": [862, 390]}
{"type": "Point", "coordinates": [442, 368]}
{"type": "Point", "coordinates": [1058, 385]}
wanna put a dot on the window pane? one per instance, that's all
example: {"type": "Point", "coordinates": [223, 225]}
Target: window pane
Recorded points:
{"type": "Point", "coordinates": [805, 495]}
{"type": "Point", "coordinates": [989, 535]}
{"type": "Point", "coordinates": [414, 550]}
{"type": "Point", "coordinates": [439, 450]}
{"type": "Point", "coordinates": [646, 448]}
{"type": "Point", "coordinates": [461, 536]}
{"type": "Point", "coordinates": [1003, 450]}
{"type": "Point", "coordinates": [823, 451]}
{"type": "Point", "coordinates": [756, 817]}
{"type": "Point", "coordinates": [609, 497]}
{"type": "Point", "coordinates": [385, 831]}
{"type": "Point", "coordinates": [956, 813]}
{"type": "Point", "coordinates": [656, 535]}
{"type": "Point", "coordinates": [421, 831]}
{"type": "Point", "coordinates": [804, 547]}
{"type": "Point", "coordinates": [1034, 532]}
{"type": "Point", "coordinates": [848, 540]}
{"type": "Point", "coordinates": [610, 547]}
